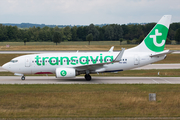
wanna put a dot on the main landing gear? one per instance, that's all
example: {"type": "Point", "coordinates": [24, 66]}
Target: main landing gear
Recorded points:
{"type": "Point", "coordinates": [23, 78]}
{"type": "Point", "coordinates": [87, 77]}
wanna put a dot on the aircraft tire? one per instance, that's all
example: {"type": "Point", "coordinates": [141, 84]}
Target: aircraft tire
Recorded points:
{"type": "Point", "coordinates": [23, 78]}
{"type": "Point", "coordinates": [87, 77]}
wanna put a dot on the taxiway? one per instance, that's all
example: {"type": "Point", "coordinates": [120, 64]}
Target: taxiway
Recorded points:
{"type": "Point", "coordinates": [95, 80]}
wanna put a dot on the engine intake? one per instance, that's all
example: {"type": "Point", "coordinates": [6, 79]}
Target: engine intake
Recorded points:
{"type": "Point", "coordinates": [65, 72]}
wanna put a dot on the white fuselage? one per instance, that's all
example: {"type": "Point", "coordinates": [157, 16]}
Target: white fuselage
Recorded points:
{"type": "Point", "coordinates": [47, 63]}
{"type": "Point", "coordinates": [150, 50]}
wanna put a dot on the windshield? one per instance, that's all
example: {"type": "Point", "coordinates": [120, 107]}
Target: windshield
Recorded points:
{"type": "Point", "coordinates": [14, 61]}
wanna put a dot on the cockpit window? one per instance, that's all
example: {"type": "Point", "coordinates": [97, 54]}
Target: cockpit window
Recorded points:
{"type": "Point", "coordinates": [14, 61]}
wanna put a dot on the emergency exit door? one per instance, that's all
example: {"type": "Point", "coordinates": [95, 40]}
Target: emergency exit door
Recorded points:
{"type": "Point", "coordinates": [136, 60]}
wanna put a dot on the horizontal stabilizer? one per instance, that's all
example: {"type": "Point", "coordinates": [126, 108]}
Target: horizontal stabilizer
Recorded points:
{"type": "Point", "coordinates": [162, 53]}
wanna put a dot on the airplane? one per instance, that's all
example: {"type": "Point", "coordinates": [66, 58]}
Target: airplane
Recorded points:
{"type": "Point", "coordinates": [69, 65]}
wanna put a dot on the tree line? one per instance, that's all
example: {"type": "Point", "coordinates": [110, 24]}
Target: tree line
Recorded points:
{"type": "Point", "coordinates": [133, 33]}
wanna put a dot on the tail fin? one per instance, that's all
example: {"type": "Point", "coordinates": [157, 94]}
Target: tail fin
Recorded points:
{"type": "Point", "coordinates": [156, 39]}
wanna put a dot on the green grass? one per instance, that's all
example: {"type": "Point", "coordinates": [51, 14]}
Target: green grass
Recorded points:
{"type": "Point", "coordinates": [171, 58]}
{"type": "Point", "coordinates": [63, 43]}
{"type": "Point", "coordinates": [65, 46]}
{"type": "Point", "coordinates": [70, 45]}
{"type": "Point", "coordinates": [74, 101]}
{"type": "Point", "coordinates": [62, 47]}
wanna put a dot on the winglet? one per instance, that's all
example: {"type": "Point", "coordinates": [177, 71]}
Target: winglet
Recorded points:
{"type": "Point", "coordinates": [111, 49]}
{"type": "Point", "coordinates": [119, 56]}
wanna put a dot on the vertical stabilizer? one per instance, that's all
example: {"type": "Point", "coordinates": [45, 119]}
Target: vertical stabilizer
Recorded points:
{"type": "Point", "coordinates": [156, 39]}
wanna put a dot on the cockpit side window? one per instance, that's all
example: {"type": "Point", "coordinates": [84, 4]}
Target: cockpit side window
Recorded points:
{"type": "Point", "coordinates": [14, 61]}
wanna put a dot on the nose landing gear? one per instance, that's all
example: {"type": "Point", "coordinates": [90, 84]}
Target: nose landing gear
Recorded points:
{"type": "Point", "coordinates": [23, 78]}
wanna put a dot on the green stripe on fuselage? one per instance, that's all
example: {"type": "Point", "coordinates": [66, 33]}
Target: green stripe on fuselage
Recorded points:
{"type": "Point", "coordinates": [74, 60]}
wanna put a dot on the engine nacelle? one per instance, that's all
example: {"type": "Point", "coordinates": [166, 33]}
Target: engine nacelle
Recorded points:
{"type": "Point", "coordinates": [65, 72]}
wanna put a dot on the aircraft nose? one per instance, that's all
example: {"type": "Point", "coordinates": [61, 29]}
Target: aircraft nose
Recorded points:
{"type": "Point", "coordinates": [5, 66]}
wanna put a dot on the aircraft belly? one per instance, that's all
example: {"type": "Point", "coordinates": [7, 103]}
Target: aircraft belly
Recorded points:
{"type": "Point", "coordinates": [43, 70]}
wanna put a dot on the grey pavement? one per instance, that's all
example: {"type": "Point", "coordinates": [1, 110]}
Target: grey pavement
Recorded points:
{"type": "Point", "coordinates": [159, 66]}
{"type": "Point", "coordinates": [95, 80]}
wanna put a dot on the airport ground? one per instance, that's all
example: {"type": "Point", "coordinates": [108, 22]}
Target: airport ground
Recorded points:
{"type": "Point", "coordinates": [88, 100]}
{"type": "Point", "coordinates": [95, 80]}
{"type": "Point", "coordinates": [96, 100]}
{"type": "Point", "coordinates": [64, 46]}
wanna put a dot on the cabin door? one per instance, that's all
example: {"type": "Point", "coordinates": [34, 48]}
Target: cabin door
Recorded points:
{"type": "Point", "coordinates": [27, 62]}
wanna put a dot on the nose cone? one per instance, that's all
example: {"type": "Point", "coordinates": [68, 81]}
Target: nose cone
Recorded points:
{"type": "Point", "coordinates": [5, 66]}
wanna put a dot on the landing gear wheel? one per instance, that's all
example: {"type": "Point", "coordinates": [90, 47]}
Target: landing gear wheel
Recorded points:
{"type": "Point", "coordinates": [87, 77]}
{"type": "Point", "coordinates": [23, 78]}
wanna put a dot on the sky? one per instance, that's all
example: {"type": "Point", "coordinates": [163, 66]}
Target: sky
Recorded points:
{"type": "Point", "coordinates": [85, 12]}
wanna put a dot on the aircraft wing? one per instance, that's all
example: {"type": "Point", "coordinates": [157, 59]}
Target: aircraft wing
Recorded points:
{"type": "Point", "coordinates": [119, 56]}
{"type": "Point", "coordinates": [99, 66]}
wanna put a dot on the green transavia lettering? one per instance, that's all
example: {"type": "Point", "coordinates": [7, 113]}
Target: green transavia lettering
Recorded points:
{"type": "Point", "coordinates": [74, 60]}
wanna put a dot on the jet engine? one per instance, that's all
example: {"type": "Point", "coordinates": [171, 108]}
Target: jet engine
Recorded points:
{"type": "Point", "coordinates": [65, 72]}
